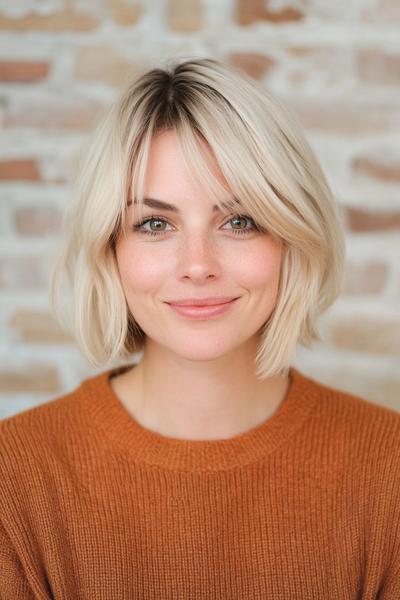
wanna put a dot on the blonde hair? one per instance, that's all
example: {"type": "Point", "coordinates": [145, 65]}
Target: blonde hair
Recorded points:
{"type": "Point", "coordinates": [270, 168]}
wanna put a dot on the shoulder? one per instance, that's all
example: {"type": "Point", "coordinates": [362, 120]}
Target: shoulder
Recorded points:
{"type": "Point", "coordinates": [347, 420]}
{"type": "Point", "coordinates": [48, 448]}
{"type": "Point", "coordinates": [359, 450]}
{"type": "Point", "coordinates": [33, 431]}
{"type": "Point", "coordinates": [49, 429]}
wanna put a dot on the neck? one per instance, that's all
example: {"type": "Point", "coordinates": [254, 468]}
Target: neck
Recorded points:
{"type": "Point", "coordinates": [199, 400]}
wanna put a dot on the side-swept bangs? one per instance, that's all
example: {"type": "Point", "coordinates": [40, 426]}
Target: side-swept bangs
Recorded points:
{"type": "Point", "coordinates": [271, 175]}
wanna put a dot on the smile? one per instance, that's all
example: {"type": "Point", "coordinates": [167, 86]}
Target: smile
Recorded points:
{"type": "Point", "coordinates": [203, 312]}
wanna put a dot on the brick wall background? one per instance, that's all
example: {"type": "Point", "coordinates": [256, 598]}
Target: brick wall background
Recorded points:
{"type": "Point", "coordinates": [336, 63]}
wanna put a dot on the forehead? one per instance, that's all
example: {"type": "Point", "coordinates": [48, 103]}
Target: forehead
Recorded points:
{"type": "Point", "coordinates": [170, 182]}
{"type": "Point", "coordinates": [166, 144]}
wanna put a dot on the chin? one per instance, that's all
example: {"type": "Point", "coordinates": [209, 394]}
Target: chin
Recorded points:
{"type": "Point", "coordinates": [207, 351]}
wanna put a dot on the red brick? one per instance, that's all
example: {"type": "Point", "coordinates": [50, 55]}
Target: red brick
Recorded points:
{"type": "Point", "coordinates": [300, 51]}
{"type": "Point", "coordinates": [380, 335]}
{"type": "Point", "coordinates": [376, 66]}
{"type": "Point", "coordinates": [24, 272]}
{"type": "Point", "coordinates": [255, 65]}
{"type": "Point", "coordinates": [23, 71]}
{"type": "Point", "coordinates": [66, 20]}
{"type": "Point", "coordinates": [318, 57]}
{"type": "Point", "coordinates": [56, 112]}
{"type": "Point", "coordinates": [378, 168]}
{"type": "Point", "coordinates": [24, 169]}
{"type": "Point", "coordinates": [250, 11]}
{"type": "Point", "coordinates": [342, 116]}
{"type": "Point", "coordinates": [362, 221]}
{"type": "Point", "coordinates": [367, 278]}
{"type": "Point", "coordinates": [36, 378]}
{"type": "Point", "coordinates": [105, 64]}
{"type": "Point", "coordinates": [124, 13]}
{"type": "Point", "coordinates": [37, 220]}
{"type": "Point", "coordinates": [185, 15]}
{"type": "Point", "coordinates": [34, 326]}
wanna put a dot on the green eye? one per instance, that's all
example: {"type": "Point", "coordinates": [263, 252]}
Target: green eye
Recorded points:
{"type": "Point", "coordinates": [139, 227]}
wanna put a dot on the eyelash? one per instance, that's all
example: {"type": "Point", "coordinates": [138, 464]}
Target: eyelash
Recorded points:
{"type": "Point", "coordinates": [137, 226]}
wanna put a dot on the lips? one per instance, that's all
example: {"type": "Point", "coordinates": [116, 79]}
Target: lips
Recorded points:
{"type": "Point", "coordinates": [212, 301]}
{"type": "Point", "coordinates": [203, 312]}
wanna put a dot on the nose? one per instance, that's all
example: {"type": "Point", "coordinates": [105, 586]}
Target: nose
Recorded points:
{"type": "Point", "coordinates": [198, 257]}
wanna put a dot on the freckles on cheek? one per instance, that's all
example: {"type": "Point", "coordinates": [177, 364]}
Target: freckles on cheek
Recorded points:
{"type": "Point", "coordinates": [139, 270]}
{"type": "Point", "coordinates": [260, 266]}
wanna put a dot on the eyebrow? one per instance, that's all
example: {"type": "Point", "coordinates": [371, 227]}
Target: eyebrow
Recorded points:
{"type": "Point", "coordinates": [159, 204]}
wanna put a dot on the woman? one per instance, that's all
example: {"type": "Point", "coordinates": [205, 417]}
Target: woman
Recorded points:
{"type": "Point", "coordinates": [203, 236]}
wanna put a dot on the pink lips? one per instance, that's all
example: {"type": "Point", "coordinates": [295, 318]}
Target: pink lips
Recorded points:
{"type": "Point", "coordinates": [202, 301]}
{"type": "Point", "coordinates": [203, 311]}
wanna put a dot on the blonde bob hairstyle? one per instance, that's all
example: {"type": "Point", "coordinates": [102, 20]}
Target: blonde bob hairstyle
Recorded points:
{"type": "Point", "coordinates": [272, 173]}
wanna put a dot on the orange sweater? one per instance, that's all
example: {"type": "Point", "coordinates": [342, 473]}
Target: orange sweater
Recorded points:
{"type": "Point", "coordinates": [304, 506]}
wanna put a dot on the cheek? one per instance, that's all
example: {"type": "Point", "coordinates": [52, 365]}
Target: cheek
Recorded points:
{"type": "Point", "coordinates": [141, 273]}
{"type": "Point", "coordinates": [259, 266]}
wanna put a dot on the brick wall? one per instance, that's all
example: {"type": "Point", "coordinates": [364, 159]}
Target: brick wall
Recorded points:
{"type": "Point", "coordinates": [336, 63]}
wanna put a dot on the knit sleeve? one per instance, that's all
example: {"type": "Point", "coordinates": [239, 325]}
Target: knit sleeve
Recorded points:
{"type": "Point", "coordinates": [390, 587]}
{"type": "Point", "coordinates": [22, 576]}
{"type": "Point", "coordinates": [13, 581]}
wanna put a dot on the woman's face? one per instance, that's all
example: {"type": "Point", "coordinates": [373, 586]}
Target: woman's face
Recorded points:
{"type": "Point", "coordinates": [194, 252]}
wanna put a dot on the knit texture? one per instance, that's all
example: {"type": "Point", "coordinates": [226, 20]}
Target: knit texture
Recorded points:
{"type": "Point", "coordinates": [304, 506]}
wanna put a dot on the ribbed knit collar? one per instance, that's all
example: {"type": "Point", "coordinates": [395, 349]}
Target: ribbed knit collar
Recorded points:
{"type": "Point", "coordinates": [145, 446]}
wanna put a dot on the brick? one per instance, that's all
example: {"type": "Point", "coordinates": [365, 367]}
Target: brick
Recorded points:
{"type": "Point", "coordinates": [344, 117]}
{"type": "Point", "coordinates": [383, 10]}
{"type": "Point", "coordinates": [300, 51]}
{"type": "Point", "coordinates": [376, 66]}
{"type": "Point", "coordinates": [368, 278]}
{"type": "Point", "coordinates": [362, 221]}
{"type": "Point", "coordinates": [104, 64]}
{"type": "Point", "coordinates": [65, 20]}
{"type": "Point", "coordinates": [26, 273]}
{"type": "Point", "coordinates": [320, 58]}
{"type": "Point", "coordinates": [316, 70]}
{"type": "Point", "coordinates": [53, 112]}
{"type": "Point", "coordinates": [184, 15]}
{"type": "Point", "coordinates": [380, 336]}
{"type": "Point", "coordinates": [381, 168]}
{"type": "Point", "coordinates": [34, 326]}
{"type": "Point", "coordinates": [124, 13]}
{"type": "Point", "coordinates": [297, 78]}
{"type": "Point", "coordinates": [21, 169]}
{"type": "Point", "coordinates": [23, 70]}
{"type": "Point", "coordinates": [37, 220]}
{"type": "Point", "coordinates": [255, 65]}
{"type": "Point", "coordinates": [250, 11]}
{"type": "Point", "coordinates": [36, 378]}
{"type": "Point", "coordinates": [389, 8]}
